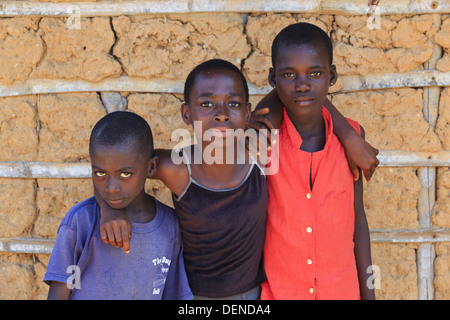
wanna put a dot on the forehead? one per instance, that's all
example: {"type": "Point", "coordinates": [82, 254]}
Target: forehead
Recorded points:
{"type": "Point", "coordinates": [129, 147]}
{"type": "Point", "coordinates": [290, 55]}
{"type": "Point", "coordinates": [218, 81]}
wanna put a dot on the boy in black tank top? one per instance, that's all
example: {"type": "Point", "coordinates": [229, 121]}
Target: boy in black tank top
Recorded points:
{"type": "Point", "coordinates": [223, 207]}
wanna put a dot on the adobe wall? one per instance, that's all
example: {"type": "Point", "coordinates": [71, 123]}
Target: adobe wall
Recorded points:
{"type": "Point", "coordinates": [53, 127]}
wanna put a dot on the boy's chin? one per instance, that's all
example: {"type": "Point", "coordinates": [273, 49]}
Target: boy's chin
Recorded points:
{"type": "Point", "coordinates": [300, 111]}
{"type": "Point", "coordinates": [117, 205]}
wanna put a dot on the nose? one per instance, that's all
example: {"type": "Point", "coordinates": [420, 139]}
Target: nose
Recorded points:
{"type": "Point", "coordinates": [112, 185]}
{"type": "Point", "coordinates": [301, 84]}
{"type": "Point", "coordinates": [221, 114]}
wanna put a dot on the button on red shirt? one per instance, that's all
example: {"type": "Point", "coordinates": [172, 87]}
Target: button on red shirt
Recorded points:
{"type": "Point", "coordinates": [308, 251]}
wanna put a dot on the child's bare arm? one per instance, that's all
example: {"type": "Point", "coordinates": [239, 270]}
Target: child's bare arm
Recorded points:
{"type": "Point", "coordinates": [361, 239]}
{"type": "Point", "coordinates": [58, 291]}
{"type": "Point", "coordinates": [268, 113]}
{"type": "Point", "coordinates": [115, 228]}
{"type": "Point", "coordinates": [174, 175]}
{"type": "Point", "coordinates": [359, 153]}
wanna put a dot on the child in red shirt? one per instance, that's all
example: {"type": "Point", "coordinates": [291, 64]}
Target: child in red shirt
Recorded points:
{"type": "Point", "coordinates": [317, 238]}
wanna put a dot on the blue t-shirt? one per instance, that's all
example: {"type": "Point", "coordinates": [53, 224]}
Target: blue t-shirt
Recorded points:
{"type": "Point", "coordinates": [153, 269]}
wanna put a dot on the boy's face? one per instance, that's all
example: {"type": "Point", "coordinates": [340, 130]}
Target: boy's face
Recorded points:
{"type": "Point", "coordinates": [119, 173]}
{"type": "Point", "coordinates": [218, 99]}
{"type": "Point", "coordinates": [302, 76]}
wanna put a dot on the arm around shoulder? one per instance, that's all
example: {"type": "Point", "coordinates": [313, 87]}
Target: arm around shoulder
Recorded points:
{"type": "Point", "coordinates": [268, 112]}
{"type": "Point", "coordinates": [360, 154]}
{"type": "Point", "coordinates": [172, 170]}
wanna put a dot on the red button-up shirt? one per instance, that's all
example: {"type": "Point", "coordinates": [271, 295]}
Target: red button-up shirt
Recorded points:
{"type": "Point", "coordinates": [308, 251]}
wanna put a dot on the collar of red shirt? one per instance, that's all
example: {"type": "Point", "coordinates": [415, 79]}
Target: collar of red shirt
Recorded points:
{"type": "Point", "coordinates": [294, 138]}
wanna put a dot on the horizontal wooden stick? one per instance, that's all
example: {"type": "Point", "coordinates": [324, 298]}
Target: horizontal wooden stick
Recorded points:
{"type": "Point", "coordinates": [26, 169]}
{"type": "Point", "coordinates": [36, 245]}
{"type": "Point", "coordinates": [420, 78]}
{"type": "Point", "coordinates": [116, 8]}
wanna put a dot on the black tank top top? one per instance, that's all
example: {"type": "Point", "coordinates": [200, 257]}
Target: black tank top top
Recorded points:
{"type": "Point", "coordinates": [223, 235]}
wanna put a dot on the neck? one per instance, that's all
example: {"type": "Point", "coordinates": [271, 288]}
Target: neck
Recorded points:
{"type": "Point", "coordinates": [311, 128]}
{"type": "Point", "coordinates": [142, 209]}
{"type": "Point", "coordinates": [216, 171]}
{"type": "Point", "coordinates": [307, 122]}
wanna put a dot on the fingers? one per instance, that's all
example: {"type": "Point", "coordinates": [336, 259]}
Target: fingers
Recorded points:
{"type": "Point", "coordinates": [114, 236]}
{"type": "Point", "coordinates": [117, 234]}
{"type": "Point", "coordinates": [259, 120]}
{"type": "Point", "coordinates": [107, 234]}
{"type": "Point", "coordinates": [368, 175]}
{"type": "Point", "coordinates": [126, 235]}
{"type": "Point", "coordinates": [355, 172]}
{"type": "Point", "coordinates": [261, 112]}
{"type": "Point", "coordinates": [259, 144]}
{"type": "Point", "coordinates": [103, 234]}
{"type": "Point", "coordinates": [368, 172]}
{"type": "Point", "coordinates": [264, 122]}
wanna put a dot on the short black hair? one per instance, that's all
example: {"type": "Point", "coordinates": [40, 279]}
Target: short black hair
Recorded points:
{"type": "Point", "coordinates": [299, 34]}
{"type": "Point", "coordinates": [213, 64]}
{"type": "Point", "coordinates": [120, 126]}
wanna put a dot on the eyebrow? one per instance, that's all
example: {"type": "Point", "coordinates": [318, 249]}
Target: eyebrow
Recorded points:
{"type": "Point", "coordinates": [317, 67]}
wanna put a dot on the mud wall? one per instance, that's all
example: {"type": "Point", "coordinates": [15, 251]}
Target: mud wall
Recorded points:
{"type": "Point", "coordinates": [59, 75]}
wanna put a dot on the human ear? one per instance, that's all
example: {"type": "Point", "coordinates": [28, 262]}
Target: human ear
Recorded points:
{"type": "Point", "coordinates": [248, 111]}
{"type": "Point", "coordinates": [152, 166]}
{"type": "Point", "coordinates": [333, 75]}
{"type": "Point", "coordinates": [185, 113]}
{"type": "Point", "coordinates": [272, 80]}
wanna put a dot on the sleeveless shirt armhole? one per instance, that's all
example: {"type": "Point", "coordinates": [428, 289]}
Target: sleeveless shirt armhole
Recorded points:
{"type": "Point", "coordinates": [188, 164]}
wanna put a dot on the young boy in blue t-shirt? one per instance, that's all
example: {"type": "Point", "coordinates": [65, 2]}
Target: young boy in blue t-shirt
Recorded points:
{"type": "Point", "coordinates": [82, 266]}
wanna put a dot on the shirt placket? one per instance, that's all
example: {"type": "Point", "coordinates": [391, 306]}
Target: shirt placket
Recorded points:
{"type": "Point", "coordinates": [309, 229]}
